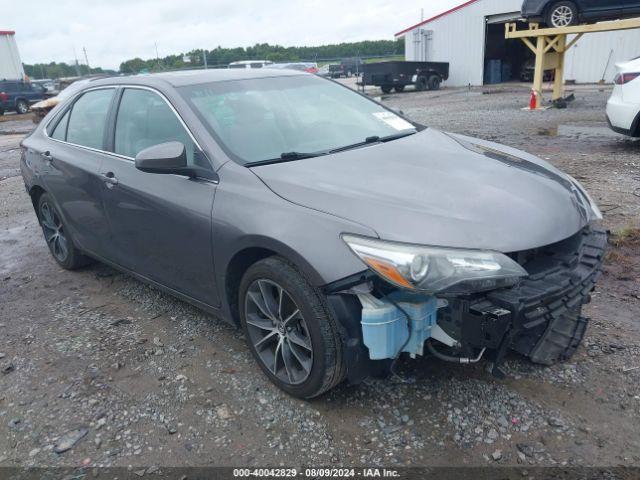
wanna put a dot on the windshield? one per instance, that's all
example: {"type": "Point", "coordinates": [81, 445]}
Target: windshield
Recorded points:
{"type": "Point", "coordinates": [284, 118]}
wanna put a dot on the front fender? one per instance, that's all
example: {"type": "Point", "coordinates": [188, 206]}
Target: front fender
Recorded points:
{"type": "Point", "coordinates": [247, 214]}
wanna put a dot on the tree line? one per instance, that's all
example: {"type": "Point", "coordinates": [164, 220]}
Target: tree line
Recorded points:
{"type": "Point", "coordinates": [58, 70]}
{"type": "Point", "coordinates": [220, 56]}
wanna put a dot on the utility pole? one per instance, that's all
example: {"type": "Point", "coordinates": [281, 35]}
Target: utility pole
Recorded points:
{"type": "Point", "coordinates": [157, 56]}
{"type": "Point", "coordinates": [204, 54]}
{"type": "Point", "coordinates": [86, 59]}
{"type": "Point", "coordinates": [75, 56]}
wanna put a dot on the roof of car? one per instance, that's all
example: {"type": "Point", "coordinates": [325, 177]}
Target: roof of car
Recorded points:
{"type": "Point", "coordinates": [194, 77]}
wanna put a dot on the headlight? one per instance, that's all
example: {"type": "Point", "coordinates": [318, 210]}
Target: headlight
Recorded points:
{"type": "Point", "coordinates": [436, 269]}
{"type": "Point", "coordinates": [596, 214]}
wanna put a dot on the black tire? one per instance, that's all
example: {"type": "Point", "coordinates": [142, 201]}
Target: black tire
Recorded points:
{"type": "Point", "coordinates": [62, 249]}
{"type": "Point", "coordinates": [562, 14]}
{"type": "Point", "coordinates": [399, 88]}
{"type": "Point", "coordinates": [421, 84]}
{"type": "Point", "coordinates": [434, 82]}
{"type": "Point", "coordinates": [326, 369]}
{"type": "Point", "coordinates": [386, 88]}
{"type": "Point", "coordinates": [22, 107]}
{"type": "Point", "coordinates": [1, 111]}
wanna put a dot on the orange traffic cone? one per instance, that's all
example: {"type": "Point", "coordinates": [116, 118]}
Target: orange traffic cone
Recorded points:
{"type": "Point", "coordinates": [533, 101]}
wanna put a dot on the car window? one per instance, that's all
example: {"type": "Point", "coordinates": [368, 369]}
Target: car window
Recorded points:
{"type": "Point", "coordinates": [256, 65]}
{"type": "Point", "coordinates": [60, 131]}
{"type": "Point", "coordinates": [144, 119]}
{"type": "Point", "coordinates": [89, 117]}
{"type": "Point", "coordinates": [260, 119]}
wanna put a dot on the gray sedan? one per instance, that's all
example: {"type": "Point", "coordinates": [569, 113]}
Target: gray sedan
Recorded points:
{"type": "Point", "coordinates": [337, 233]}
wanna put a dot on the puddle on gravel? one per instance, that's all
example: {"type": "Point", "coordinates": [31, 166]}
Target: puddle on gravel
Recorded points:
{"type": "Point", "coordinates": [598, 133]}
{"type": "Point", "coordinates": [581, 131]}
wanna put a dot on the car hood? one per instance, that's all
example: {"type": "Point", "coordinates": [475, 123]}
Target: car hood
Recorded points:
{"type": "Point", "coordinates": [438, 189]}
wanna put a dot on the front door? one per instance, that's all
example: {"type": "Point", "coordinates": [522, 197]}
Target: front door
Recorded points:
{"type": "Point", "coordinates": [160, 224]}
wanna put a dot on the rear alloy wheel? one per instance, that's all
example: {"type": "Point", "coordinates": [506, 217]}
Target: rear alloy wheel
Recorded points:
{"type": "Point", "coordinates": [386, 88]}
{"type": "Point", "coordinates": [562, 14]}
{"type": "Point", "coordinates": [58, 240]}
{"type": "Point", "coordinates": [22, 107]}
{"type": "Point", "coordinates": [289, 329]}
{"type": "Point", "coordinates": [399, 88]}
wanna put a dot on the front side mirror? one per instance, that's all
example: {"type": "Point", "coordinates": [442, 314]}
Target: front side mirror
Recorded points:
{"type": "Point", "coordinates": [162, 158]}
{"type": "Point", "coordinates": [170, 158]}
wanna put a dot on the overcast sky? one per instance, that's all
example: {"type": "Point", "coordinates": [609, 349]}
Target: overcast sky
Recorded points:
{"type": "Point", "coordinates": [116, 30]}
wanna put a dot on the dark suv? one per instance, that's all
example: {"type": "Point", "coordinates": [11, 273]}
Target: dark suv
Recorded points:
{"type": "Point", "coordinates": [566, 13]}
{"type": "Point", "coordinates": [18, 95]}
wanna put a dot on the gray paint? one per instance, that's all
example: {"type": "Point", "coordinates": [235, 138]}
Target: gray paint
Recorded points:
{"type": "Point", "coordinates": [181, 233]}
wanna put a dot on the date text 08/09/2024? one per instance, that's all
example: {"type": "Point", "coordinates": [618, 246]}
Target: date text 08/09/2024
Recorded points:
{"type": "Point", "coordinates": [315, 473]}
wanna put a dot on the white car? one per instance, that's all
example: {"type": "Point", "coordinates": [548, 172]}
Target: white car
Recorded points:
{"type": "Point", "coordinates": [623, 108]}
{"type": "Point", "coordinates": [250, 64]}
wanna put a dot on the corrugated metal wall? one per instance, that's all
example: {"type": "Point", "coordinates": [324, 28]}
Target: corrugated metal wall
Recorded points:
{"type": "Point", "coordinates": [459, 38]}
{"type": "Point", "coordinates": [10, 63]}
{"type": "Point", "coordinates": [586, 62]}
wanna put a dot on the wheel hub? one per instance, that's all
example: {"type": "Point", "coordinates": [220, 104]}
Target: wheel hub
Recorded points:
{"type": "Point", "coordinates": [278, 332]}
{"type": "Point", "coordinates": [53, 232]}
{"type": "Point", "coordinates": [562, 16]}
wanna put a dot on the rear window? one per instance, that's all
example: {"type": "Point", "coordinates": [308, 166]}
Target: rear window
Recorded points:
{"type": "Point", "coordinates": [60, 132]}
{"type": "Point", "coordinates": [89, 117]}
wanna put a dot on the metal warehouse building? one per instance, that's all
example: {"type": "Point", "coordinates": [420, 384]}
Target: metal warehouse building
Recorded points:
{"type": "Point", "coordinates": [471, 37]}
{"type": "Point", "coordinates": [10, 63]}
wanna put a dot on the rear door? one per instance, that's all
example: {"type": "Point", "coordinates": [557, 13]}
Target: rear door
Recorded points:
{"type": "Point", "coordinates": [70, 160]}
{"type": "Point", "coordinates": [160, 225]}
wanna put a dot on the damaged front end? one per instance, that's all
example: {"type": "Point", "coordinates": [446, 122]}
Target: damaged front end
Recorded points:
{"type": "Point", "coordinates": [538, 315]}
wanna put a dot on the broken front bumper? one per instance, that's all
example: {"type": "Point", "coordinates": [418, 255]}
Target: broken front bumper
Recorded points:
{"type": "Point", "coordinates": [540, 318]}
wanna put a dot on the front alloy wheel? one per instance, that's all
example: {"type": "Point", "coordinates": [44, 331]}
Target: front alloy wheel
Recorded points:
{"type": "Point", "coordinates": [290, 329]}
{"type": "Point", "coordinates": [278, 331]}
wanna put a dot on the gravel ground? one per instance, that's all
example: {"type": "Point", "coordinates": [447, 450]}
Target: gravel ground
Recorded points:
{"type": "Point", "coordinates": [98, 369]}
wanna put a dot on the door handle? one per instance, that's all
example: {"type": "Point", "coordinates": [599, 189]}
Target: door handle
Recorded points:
{"type": "Point", "coordinates": [47, 156]}
{"type": "Point", "coordinates": [109, 178]}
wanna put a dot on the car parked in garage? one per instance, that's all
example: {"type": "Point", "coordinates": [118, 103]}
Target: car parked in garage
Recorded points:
{"type": "Point", "coordinates": [623, 107]}
{"type": "Point", "coordinates": [571, 12]}
{"type": "Point", "coordinates": [18, 95]}
{"type": "Point", "coordinates": [337, 233]}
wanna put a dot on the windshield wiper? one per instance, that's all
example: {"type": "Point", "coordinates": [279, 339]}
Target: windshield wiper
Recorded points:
{"type": "Point", "coordinates": [288, 157]}
{"type": "Point", "coordinates": [371, 140]}
{"type": "Point", "coordinates": [291, 156]}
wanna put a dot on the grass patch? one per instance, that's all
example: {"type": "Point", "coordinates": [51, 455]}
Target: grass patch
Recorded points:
{"type": "Point", "coordinates": [625, 237]}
